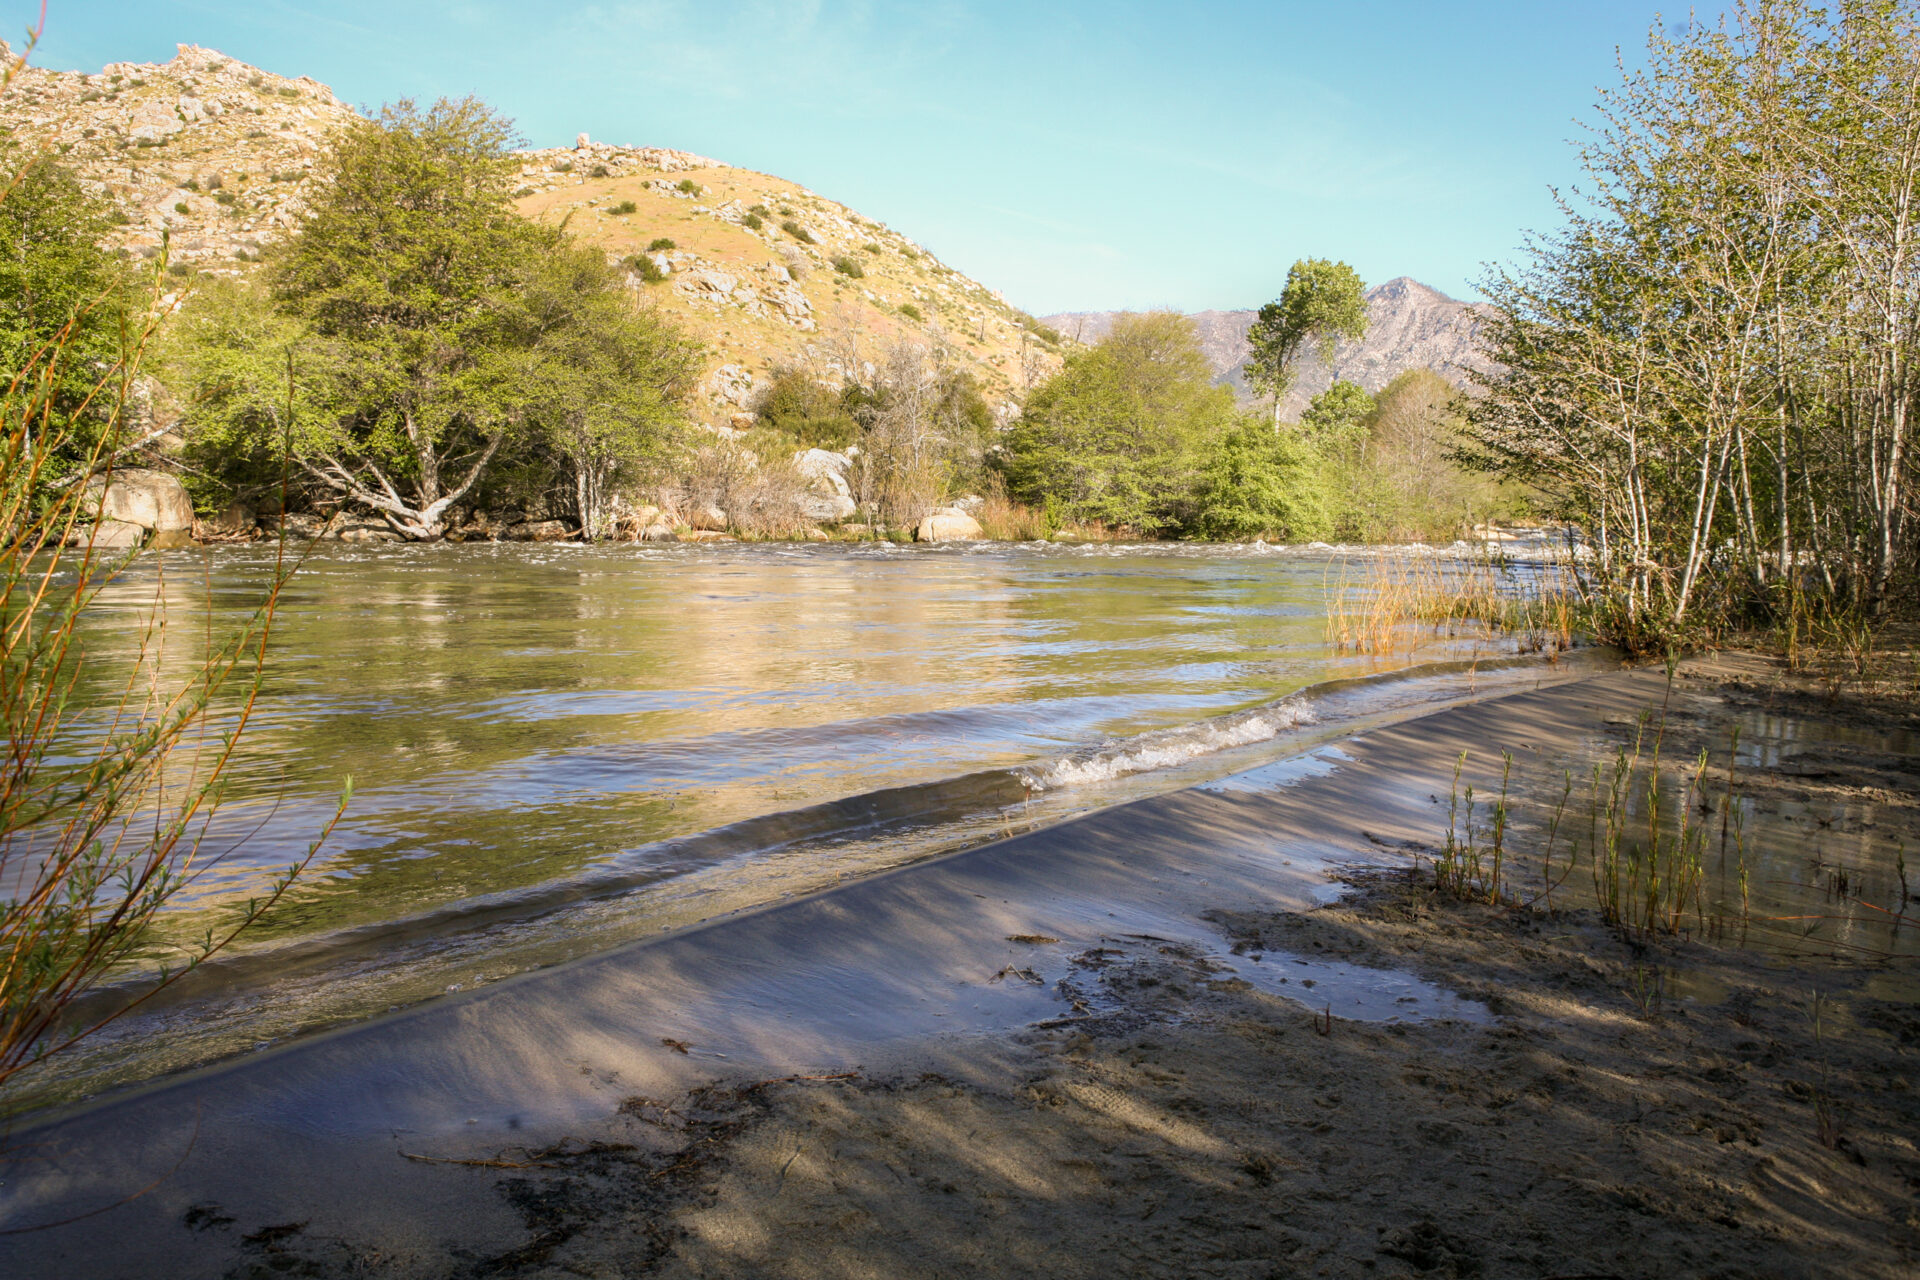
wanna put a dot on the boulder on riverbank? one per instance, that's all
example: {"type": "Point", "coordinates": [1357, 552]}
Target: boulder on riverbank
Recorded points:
{"type": "Point", "coordinates": [949, 524]}
{"type": "Point", "coordinates": [153, 502]}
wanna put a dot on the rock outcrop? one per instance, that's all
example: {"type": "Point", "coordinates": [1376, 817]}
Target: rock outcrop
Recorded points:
{"type": "Point", "coordinates": [828, 496]}
{"type": "Point", "coordinates": [1409, 326]}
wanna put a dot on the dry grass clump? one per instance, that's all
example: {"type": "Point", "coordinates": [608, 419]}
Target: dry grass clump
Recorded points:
{"type": "Point", "coordinates": [1398, 603]}
{"type": "Point", "coordinates": [726, 483]}
{"type": "Point", "coordinates": [1005, 520]}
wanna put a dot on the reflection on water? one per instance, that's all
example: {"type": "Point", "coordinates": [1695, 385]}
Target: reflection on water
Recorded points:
{"type": "Point", "coordinates": [557, 748]}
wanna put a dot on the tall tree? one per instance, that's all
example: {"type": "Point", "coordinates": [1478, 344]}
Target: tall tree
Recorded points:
{"type": "Point", "coordinates": [1323, 302]}
{"type": "Point", "coordinates": [412, 268]}
{"type": "Point", "coordinates": [1710, 366]}
{"type": "Point", "coordinates": [604, 377]}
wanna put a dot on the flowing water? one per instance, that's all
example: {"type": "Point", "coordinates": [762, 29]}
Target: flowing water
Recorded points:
{"type": "Point", "coordinates": [555, 748]}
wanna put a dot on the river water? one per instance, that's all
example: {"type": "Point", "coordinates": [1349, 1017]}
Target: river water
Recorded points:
{"type": "Point", "coordinates": [555, 749]}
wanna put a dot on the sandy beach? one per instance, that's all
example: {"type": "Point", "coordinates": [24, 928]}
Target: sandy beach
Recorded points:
{"type": "Point", "coordinates": [1228, 1031]}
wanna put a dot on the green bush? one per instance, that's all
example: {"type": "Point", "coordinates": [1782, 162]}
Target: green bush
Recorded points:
{"type": "Point", "coordinates": [798, 232]}
{"type": "Point", "coordinates": [598, 171]}
{"type": "Point", "coordinates": [761, 210]}
{"type": "Point", "coordinates": [753, 222]}
{"type": "Point", "coordinates": [912, 312]}
{"type": "Point", "coordinates": [622, 209]}
{"type": "Point", "coordinates": [689, 186]}
{"type": "Point", "coordinates": [1258, 483]}
{"type": "Point", "coordinates": [871, 247]}
{"type": "Point", "coordinates": [848, 266]}
{"type": "Point", "coordinates": [646, 268]}
{"type": "Point", "coordinates": [180, 206]}
{"type": "Point", "coordinates": [284, 91]}
{"type": "Point", "coordinates": [191, 184]}
{"type": "Point", "coordinates": [660, 244]}
{"type": "Point", "coordinates": [1046, 333]}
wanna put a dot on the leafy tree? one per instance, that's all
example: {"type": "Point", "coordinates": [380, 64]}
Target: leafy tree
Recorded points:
{"type": "Point", "coordinates": [1708, 367]}
{"type": "Point", "coordinates": [1259, 484]}
{"type": "Point", "coordinates": [1323, 301]}
{"type": "Point", "coordinates": [1338, 412]}
{"type": "Point", "coordinates": [412, 269]}
{"type": "Point", "coordinates": [605, 379]}
{"type": "Point", "coordinates": [1118, 435]}
{"type": "Point", "coordinates": [60, 290]}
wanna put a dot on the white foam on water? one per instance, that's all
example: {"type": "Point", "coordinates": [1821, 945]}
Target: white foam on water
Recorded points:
{"type": "Point", "coordinates": [1165, 748]}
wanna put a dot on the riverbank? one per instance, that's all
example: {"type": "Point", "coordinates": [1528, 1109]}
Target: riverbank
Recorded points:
{"type": "Point", "coordinates": [1138, 1043]}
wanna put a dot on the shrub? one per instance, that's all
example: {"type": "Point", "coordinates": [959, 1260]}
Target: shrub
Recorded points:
{"type": "Point", "coordinates": [646, 268]}
{"type": "Point", "coordinates": [761, 211]}
{"type": "Point", "coordinates": [912, 313]}
{"type": "Point", "coordinates": [753, 222]}
{"type": "Point", "coordinates": [224, 197]}
{"type": "Point", "coordinates": [191, 184]}
{"type": "Point", "coordinates": [661, 244]}
{"type": "Point", "coordinates": [798, 232]}
{"type": "Point", "coordinates": [562, 166]}
{"type": "Point", "coordinates": [622, 209]}
{"type": "Point", "coordinates": [215, 182]}
{"type": "Point", "coordinates": [180, 206]}
{"type": "Point", "coordinates": [598, 171]}
{"type": "Point", "coordinates": [1046, 333]}
{"type": "Point", "coordinates": [284, 91]}
{"type": "Point", "coordinates": [871, 247]}
{"type": "Point", "coordinates": [848, 266]}
{"type": "Point", "coordinates": [689, 186]}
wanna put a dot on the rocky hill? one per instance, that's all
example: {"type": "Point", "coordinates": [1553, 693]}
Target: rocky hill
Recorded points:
{"type": "Point", "coordinates": [215, 159]}
{"type": "Point", "coordinates": [1409, 326]}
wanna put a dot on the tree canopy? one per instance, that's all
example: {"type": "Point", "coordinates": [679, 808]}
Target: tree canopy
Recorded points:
{"type": "Point", "coordinates": [1709, 367]}
{"type": "Point", "coordinates": [416, 324]}
{"type": "Point", "coordinates": [64, 301]}
{"type": "Point", "coordinates": [1323, 302]}
{"type": "Point", "coordinates": [1118, 435]}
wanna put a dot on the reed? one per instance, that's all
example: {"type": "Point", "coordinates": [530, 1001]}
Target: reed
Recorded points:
{"type": "Point", "coordinates": [1398, 604]}
{"type": "Point", "coordinates": [1647, 860]}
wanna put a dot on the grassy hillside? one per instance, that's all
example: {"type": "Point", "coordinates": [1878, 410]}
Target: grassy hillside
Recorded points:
{"type": "Point", "coordinates": [210, 160]}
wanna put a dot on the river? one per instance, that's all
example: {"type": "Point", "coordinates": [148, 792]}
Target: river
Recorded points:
{"type": "Point", "coordinates": [555, 749]}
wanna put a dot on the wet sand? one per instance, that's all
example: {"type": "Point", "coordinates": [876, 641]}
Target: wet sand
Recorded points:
{"type": "Point", "coordinates": [1147, 1042]}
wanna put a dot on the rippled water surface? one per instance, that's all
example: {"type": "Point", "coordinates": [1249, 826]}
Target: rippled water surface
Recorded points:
{"type": "Point", "coordinates": [557, 748]}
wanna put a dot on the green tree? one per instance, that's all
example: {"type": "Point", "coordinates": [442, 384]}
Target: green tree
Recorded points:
{"type": "Point", "coordinates": [1708, 367]}
{"type": "Point", "coordinates": [60, 289]}
{"type": "Point", "coordinates": [412, 269]}
{"type": "Point", "coordinates": [1119, 434]}
{"type": "Point", "coordinates": [1323, 302]}
{"type": "Point", "coordinates": [1338, 412]}
{"type": "Point", "coordinates": [1258, 484]}
{"type": "Point", "coordinates": [605, 378]}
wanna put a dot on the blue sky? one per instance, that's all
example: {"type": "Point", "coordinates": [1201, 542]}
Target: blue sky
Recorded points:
{"type": "Point", "coordinates": [1073, 155]}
